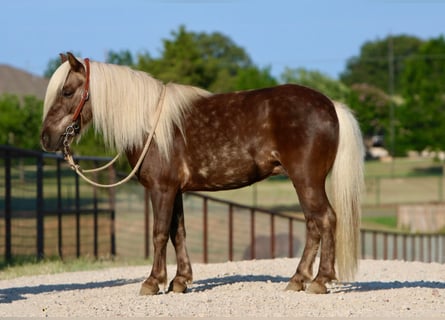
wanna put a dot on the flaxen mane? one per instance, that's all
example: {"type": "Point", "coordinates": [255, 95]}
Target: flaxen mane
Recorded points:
{"type": "Point", "coordinates": [124, 101]}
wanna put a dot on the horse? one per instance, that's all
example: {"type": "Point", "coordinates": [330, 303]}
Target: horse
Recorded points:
{"type": "Point", "coordinates": [205, 141]}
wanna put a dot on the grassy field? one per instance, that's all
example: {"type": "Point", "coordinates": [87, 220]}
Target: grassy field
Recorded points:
{"type": "Point", "coordinates": [26, 266]}
{"type": "Point", "coordinates": [387, 184]}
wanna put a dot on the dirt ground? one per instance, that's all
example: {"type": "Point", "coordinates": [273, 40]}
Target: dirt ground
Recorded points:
{"type": "Point", "coordinates": [236, 289]}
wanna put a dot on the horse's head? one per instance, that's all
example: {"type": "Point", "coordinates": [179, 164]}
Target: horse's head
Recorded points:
{"type": "Point", "coordinates": [67, 109]}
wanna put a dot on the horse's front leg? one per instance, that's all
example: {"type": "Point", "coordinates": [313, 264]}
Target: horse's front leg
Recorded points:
{"type": "Point", "coordinates": [177, 236]}
{"type": "Point", "coordinates": [162, 201]}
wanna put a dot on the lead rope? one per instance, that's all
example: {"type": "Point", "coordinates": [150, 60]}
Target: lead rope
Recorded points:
{"type": "Point", "coordinates": [79, 171]}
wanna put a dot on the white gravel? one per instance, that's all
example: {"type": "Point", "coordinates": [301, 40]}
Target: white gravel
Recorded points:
{"type": "Point", "coordinates": [235, 289]}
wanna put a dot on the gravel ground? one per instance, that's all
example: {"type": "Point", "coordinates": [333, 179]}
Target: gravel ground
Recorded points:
{"type": "Point", "coordinates": [235, 289]}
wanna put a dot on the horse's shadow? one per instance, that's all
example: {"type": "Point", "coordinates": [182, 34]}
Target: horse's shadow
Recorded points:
{"type": "Point", "coordinates": [9, 295]}
{"type": "Point", "coordinates": [380, 285]}
{"type": "Point", "coordinates": [211, 283]}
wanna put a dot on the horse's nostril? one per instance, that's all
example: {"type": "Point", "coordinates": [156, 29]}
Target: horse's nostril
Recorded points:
{"type": "Point", "coordinates": [44, 140]}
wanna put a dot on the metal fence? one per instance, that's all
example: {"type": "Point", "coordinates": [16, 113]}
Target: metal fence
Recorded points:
{"type": "Point", "coordinates": [45, 210]}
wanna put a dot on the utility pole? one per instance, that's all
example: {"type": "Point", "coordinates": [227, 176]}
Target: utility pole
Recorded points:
{"type": "Point", "coordinates": [391, 101]}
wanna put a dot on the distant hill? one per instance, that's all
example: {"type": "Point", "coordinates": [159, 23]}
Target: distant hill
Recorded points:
{"type": "Point", "coordinates": [21, 83]}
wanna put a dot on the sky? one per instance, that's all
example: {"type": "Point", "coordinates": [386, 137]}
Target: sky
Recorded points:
{"type": "Point", "coordinates": [313, 34]}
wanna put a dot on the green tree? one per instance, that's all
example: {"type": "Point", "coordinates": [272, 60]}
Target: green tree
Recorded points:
{"type": "Point", "coordinates": [253, 78]}
{"type": "Point", "coordinates": [423, 113]}
{"type": "Point", "coordinates": [372, 65]}
{"type": "Point", "coordinates": [123, 57]}
{"type": "Point", "coordinates": [211, 61]}
{"type": "Point", "coordinates": [52, 66]}
{"type": "Point", "coordinates": [334, 89]}
{"type": "Point", "coordinates": [20, 121]}
{"type": "Point", "coordinates": [371, 106]}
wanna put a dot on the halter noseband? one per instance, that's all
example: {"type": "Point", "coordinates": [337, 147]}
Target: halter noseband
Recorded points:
{"type": "Point", "coordinates": [74, 128]}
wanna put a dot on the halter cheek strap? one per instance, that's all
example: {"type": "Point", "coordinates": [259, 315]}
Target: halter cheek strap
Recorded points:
{"type": "Point", "coordinates": [85, 93]}
{"type": "Point", "coordinates": [74, 128]}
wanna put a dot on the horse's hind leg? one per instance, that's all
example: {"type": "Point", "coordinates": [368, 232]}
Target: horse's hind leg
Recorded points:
{"type": "Point", "coordinates": [177, 236]}
{"type": "Point", "coordinates": [320, 230]}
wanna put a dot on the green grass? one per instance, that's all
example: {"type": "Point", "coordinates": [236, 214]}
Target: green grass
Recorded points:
{"type": "Point", "coordinates": [26, 266]}
{"type": "Point", "coordinates": [389, 222]}
{"type": "Point", "coordinates": [403, 167]}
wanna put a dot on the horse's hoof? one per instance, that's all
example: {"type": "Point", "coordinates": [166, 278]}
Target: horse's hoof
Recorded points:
{"type": "Point", "coordinates": [177, 286]}
{"type": "Point", "coordinates": [295, 286]}
{"type": "Point", "coordinates": [317, 288]}
{"type": "Point", "coordinates": [148, 289]}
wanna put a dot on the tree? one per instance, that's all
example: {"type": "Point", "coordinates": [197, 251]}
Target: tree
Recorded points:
{"type": "Point", "coordinates": [371, 106]}
{"type": "Point", "coordinates": [253, 78]}
{"type": "Point", "coordinates": [20, 121]}
{"type": "Point", "coordinates": [372, 65]}
{"type": "Point", "coordinates": [423, 113]}
{"type": "Point", "coordinates": [52, 66]}
{"type": "Point", "coordinates": [123, 57]}
{"type": "Point", "coordinates": [211, 61]}
{"type": "Point", "coordinates": [314, 79]}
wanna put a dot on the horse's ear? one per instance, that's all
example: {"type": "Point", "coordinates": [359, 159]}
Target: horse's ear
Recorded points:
{"type": "Point", "coordinates": [75, 64]}
{"type": "Point", "coordinates": [63, 57]}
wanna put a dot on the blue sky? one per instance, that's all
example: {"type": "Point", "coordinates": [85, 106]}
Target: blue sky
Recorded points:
{"type": "Point", "coordinates": [314, 34]}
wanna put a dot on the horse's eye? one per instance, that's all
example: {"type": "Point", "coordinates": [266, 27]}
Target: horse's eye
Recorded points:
{"type": "Point", "coordinates": [67, 93]}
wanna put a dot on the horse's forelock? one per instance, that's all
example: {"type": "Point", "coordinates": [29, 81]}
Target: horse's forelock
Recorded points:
{"type": "Point", "coordinates": [54, 86]}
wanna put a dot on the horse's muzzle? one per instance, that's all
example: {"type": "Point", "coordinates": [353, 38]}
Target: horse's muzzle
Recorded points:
{"type": "Point", "coordinates": [50, 143]}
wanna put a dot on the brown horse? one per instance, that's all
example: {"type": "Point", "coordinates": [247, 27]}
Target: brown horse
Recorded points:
{"type": "Point", "coordinates": [207, 141]}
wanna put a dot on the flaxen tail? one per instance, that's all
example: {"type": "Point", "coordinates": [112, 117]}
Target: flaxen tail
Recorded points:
{"type": "Point", "coordinates": [347, 188]}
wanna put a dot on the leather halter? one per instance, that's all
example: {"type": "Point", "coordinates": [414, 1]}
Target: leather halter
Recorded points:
{"type": "Point", "coordinates": [85, 93]}
{"type": "Point", "coordinates": [74, 128]}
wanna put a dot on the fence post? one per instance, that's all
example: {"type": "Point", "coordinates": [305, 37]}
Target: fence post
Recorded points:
{"type": "Point", "coordinates": [77, 205]}
{"type": "Point", "coordinates": [405, 255]}
{"type": "Point", "coordinates": [252, 234]}
{"type": "Point", "coordinates": [95, 216]}
{"type": "Point", "coordinates": [40, 211]}
{"type": "Point", "coordinates": [205, 231]}
{"type": "Point", "coordinates": [59, 209]}
{"type": "Point", "coordinates": [291, 239]}
{"type": "Point", "coordinates": [112, 202]}
{"type": "Point", "coordinates": [230, 232]}
{"type": "Point", "coordinates": [272, 236]}
{"type": "Point", "coordinates": [8, 255]}
{"type": "Point", "coordinates": [385, 246]}
{"type": "Point", "coordinates": [395, 248]}
{"type": "Point", "coordinates": [430, 247]}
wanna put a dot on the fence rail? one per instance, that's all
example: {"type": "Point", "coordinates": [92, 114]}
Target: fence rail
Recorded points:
{"type": "Point", "coordinates": [45, 210]}
{"type": "Point", "coordinates": [253, 212]}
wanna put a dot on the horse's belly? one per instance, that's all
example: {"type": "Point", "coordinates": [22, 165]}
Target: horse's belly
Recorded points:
{"type": "Point", "coordinates": [218, 172]}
